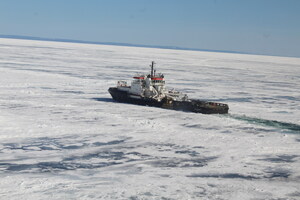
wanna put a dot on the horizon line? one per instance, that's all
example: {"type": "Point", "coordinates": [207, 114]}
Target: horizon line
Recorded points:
{"type": "Point", "coordinates": [128, 44]}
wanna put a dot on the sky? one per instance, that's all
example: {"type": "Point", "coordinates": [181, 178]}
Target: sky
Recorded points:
{"type": "Point", "coordinates": [269, 27]}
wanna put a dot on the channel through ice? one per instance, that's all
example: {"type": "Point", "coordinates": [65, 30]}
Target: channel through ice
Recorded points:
{"type": "Point", "coordinates": [63, 137]}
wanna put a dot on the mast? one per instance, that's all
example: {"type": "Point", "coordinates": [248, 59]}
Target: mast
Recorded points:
{"type": "Point", "coordinates": [152, 69]}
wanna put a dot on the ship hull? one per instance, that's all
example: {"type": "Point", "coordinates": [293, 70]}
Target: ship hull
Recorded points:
{"type": "Point", "coordinates": [196, 106]}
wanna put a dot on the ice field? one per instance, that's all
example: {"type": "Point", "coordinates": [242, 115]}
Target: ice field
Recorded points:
{"type": "Point", "coordinates": [63, 137]}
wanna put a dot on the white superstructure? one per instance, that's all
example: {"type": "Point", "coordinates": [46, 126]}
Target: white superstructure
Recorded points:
{"type": "Point", "coordinates": [150, 86]}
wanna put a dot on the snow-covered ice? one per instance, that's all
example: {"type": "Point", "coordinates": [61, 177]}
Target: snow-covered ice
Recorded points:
{"type": "Point", "coordinates": [63, 137]}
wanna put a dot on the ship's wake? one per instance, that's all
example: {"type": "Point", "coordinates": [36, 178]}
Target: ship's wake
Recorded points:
{"type": "Point", "coordinates": [295, 128]}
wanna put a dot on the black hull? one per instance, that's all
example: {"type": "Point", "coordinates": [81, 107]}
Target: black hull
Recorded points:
{"type": "Point", "coordinates": [196, 106]}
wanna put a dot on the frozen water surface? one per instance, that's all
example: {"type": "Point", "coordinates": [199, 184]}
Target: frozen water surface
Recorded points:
{"type": "Point", "coordinates": [63, 137]}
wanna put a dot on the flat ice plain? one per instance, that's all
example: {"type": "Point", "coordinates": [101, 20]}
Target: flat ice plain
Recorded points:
{"type": "Point", "coordinates": [63, 137]}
